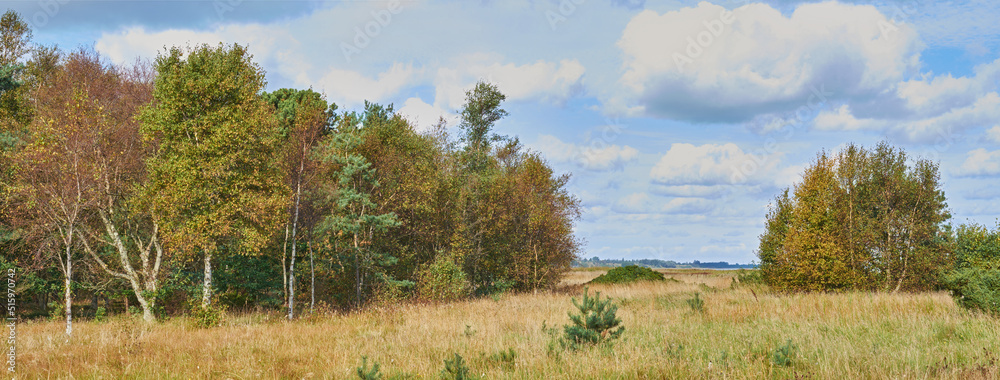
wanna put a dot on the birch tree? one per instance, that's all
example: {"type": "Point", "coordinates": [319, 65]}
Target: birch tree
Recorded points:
{"type": "Point", "coordinates": [215, 180]}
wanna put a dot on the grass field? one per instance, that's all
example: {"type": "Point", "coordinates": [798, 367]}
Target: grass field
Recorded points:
{"type": "Point", "coordinates": [842, 336]}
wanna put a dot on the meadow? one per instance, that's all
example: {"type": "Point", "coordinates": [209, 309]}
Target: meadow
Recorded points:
{"type": "Point", "coordinates": [740, 332]}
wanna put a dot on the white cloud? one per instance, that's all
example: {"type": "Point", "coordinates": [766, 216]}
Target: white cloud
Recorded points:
{"type": "Point", "coordinates": [993, 134]}
{"type": "Point", "coordinates": [635, 203]}
{"type": "Point", "coordinates": [704, 64]}
{"type": "Point", "coordinates": [713, 164]}
{"type": "Point", "coordinates": [423, 116]}
{"type": "Point", "coordinates": [542, 80]}
{"type": "Point", "coordinates": [930, 108]}
{"type": "Point", "coordinates": [981, 162]}
{"type": "Point", "coordinates": [597, 157]}
{"type": "Point", "coordinates": [688, 206]}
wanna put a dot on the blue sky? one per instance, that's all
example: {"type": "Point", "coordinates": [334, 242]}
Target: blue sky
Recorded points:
{"type": "Point", "coordinates": [679, 120]}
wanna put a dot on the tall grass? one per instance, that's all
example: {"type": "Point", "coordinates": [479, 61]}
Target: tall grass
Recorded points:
{"type": "Point", "coordinates": [850, 335]}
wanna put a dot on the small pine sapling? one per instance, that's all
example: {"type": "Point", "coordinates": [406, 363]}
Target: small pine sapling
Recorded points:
{"type": "Point", "coordinates": [596, 321]}
{"type": "Point", "coordinates": [455, 369]}
{"type": "Point", "coordinates": [366, 373]}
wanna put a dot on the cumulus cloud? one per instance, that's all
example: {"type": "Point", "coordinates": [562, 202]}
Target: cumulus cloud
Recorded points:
{"type": "Point", "coordinates": [924, 109]}
{"type": "Point", "coordinates": [713, 165]}
{"type": "Point", "coordinates": [308, 51]}
{"type": "Point", "coordinates": [423, 116]}
{"type": "Point", "coordinates": [596, 157]}
{"type": "Point", "coordinates": [980, 162]}
{"type": "Point", "coordinates": [643, 203]}
{"type": "Point", "coordinates": [706, 63]}
{"type": "Point", "coordinates": [993, 134]}
{"type": "Point", "coordinates": [547, 81]}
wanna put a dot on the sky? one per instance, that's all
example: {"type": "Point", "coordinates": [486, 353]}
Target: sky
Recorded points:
{"type": "Point", "coordinates": [678, 120]}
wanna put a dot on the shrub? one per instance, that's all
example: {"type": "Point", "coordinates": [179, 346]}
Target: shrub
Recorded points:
{"type": "Point", "coordinates": [627, 274]}
{"type": "Point", "coordinates": [455, 369]}
{"type": "Point", "coordinates": [595, 323]}
{"type": "Point", "coordinates": [974, 288]}
{"type": "Point", "coordinates": [206, 317]}
{"type": "Point", "coordinates": [505, 358]}
{"type": "Point", "coordinates": [782, 356]}
{"type": "Point", "coordinates": [697, 304]}
{"type": "Point", "coordinates": [366, 373]}
{"type": "Point", "coordinates": [442, 280]}
{"type": "Point", "coordinates": [101, 314]}
{"type": "Point", "coordinates": [975, 283]}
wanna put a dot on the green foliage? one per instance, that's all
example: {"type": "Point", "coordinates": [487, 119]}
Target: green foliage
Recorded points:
{"type": "Point", "coordinates": [696, 303]}
{"type": "Point", "coordinates": [505, 358]}
{"type": "Point", "coordinates": [748, 277]}
{"type": "Point", "coordinates": [627, 274]}
{"type": "Point", "coordinates": [101, 314]}
{"type": "Point", "coordinates": [868, 219]}
{"type": "Point", "coordinates": [975, 280]}
{"type": "Point", "coordinates": [366, 373]}
{"type": "Point", "coordinates": [206, 317]}
{"type": "Point", "coordinates": [442, 280]}
{"type": "Point", "coordinates": [595, 322]}
{"type": "Point", "coordinates": [456, 369]}
{"type": "Point", "coordinates": [975, 288]}
{"type": "Point", "coordinates": [353, 213]}
{"type": "Point", "coordinates": [215, 180]}
{"type": "Point", "coordinates": [783, 355]}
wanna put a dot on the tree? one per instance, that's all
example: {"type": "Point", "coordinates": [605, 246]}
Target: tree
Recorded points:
{"type": "Point", "coordinates": [353, 214]}
{"type": "Point", "coordinates": [15, 111]}
{"type": "Point", "coordinates": [118, 165]}
{"type": "Point", "coordinates": [214, 181]}
{"type": "Point", "coordinates": [861, 219]}
{"type": "Point", "coordinates": [479, 115]}
{"type": "Point", "coordinates": [303, 117]}
{"type": "Point", "coordinates": [56, 172]}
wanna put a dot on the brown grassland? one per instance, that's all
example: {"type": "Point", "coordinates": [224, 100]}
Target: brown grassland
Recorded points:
{"type": "Point", "coordinates": [843, 336]}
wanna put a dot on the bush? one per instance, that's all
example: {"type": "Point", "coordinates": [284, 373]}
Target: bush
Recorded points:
{"type": "Point", "coordinates": [975, 288]}
{"type": "Point", "coordinates": [595, 323]}
{"type": "Point", "coordinates": [975, 283]}
{"type": "Point", "coordinates": [782, 356]}
{"type": "Point", "coordinates": [505, 358]}
{"type": "Point", "coordinates": [627, 274]}
{"type": "Point", "coordinates": [206, 317]}
{"type": "Point", "coordinates": [697, 304]}
{"type": "Point", "coordinates": [366, 373]}
{"type": "Point", "coordinates": [455, 369]}
{"type": "Point", "coordinates": [101, 314]}
{"type": "Point", "coordinates": [442, 280]}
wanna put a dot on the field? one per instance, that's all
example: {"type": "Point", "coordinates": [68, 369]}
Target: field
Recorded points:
{"type": "Point", "coordinates": [843, 336]}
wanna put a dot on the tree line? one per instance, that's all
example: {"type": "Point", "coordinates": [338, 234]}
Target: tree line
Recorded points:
{"type": "Point", "coordinates": [876, 219]}
{"type": "Point", "coordinates": [181, 184]}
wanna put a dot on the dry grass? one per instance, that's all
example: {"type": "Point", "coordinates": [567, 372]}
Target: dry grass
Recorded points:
{"type": "Point", "coordinates": [853, 335]}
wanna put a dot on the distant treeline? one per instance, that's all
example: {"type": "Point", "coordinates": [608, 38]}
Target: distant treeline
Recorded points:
{"type": "Point", "coordinates": [654, 263]}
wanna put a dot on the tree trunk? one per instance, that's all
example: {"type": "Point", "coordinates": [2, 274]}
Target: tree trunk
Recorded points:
{"type": "Point", "coordinates": [357, 272]}
{"type": "Point", "coordinates": [312, 278]}
{"type": "Point", "coordinates": [284, 267]}
{"type": "Point", "coordinates": [68, 284]}
{"type": "Point", "coordinates": [206, 295]}
{"type": "Point", "coordinates": [295, 243]}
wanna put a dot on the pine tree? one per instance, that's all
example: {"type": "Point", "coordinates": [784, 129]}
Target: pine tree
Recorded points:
{"type": "Point", "coordinates": [596, 321]}
{"type": "Point", "coordinates": [354, 215]}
